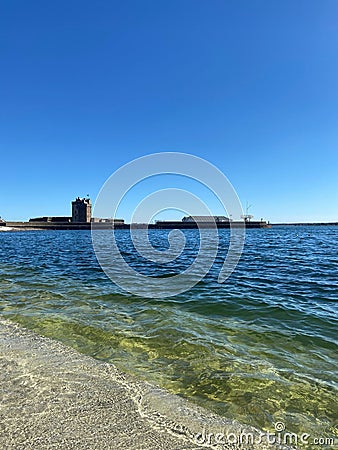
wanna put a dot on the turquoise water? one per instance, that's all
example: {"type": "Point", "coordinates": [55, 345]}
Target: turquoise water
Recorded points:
{"type": "Point", "coordinates": [260, 348]}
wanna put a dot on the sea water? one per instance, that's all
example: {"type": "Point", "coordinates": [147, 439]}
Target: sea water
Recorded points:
{"type": "Point", "coordinates": [260, 348]}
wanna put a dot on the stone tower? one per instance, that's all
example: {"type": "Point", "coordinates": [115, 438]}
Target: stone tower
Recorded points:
{"type": "Point", "coordinates": [81, 210]}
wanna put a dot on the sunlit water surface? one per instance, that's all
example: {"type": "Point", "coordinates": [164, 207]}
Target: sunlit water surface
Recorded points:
{"type": "Point", "coordinates": [260, 348]}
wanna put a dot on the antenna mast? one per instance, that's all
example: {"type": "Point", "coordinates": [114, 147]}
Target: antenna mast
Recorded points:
{"type": "Point", "coordinates": [247, 217]}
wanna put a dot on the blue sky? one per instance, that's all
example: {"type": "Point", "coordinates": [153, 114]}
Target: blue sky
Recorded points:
{"type": "Point", "coordinates": [251, 86]}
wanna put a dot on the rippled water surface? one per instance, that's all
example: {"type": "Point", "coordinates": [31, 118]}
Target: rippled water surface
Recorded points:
{"type": "Point", "coordinates": [261, 348]}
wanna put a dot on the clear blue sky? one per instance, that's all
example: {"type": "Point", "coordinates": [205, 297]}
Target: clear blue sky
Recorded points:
{"type": "Point", "coordinates": [252, 86]}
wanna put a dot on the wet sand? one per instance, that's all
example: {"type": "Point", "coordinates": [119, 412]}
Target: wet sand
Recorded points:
{"type": "Point", "coordinates": [55, 398]}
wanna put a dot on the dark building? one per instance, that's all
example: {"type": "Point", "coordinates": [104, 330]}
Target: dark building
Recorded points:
{"type": "Point", "coordinates": [51, 219]}
{"type": "Point", "coordinates": [205, 219]}
{"type": "Point", "coordinates": [81, 210]}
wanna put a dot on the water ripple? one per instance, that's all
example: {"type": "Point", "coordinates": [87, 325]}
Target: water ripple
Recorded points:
{"type": "Point", "coordinates": [260, 347]}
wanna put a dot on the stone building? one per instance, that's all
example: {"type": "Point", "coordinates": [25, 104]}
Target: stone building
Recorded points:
{"type": "Point", "coordinates": [81, 210]}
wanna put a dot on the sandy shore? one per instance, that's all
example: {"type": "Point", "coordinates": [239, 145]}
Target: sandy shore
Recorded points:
{"type": "Point", "coordinates": [56, 398]}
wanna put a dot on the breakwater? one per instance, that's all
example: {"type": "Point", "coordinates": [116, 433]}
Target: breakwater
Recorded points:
{"type": "Point", "coordinates": [161, 225]}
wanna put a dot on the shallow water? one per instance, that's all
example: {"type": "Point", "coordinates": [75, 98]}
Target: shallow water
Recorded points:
{"type": "Point", "coordinates": [55, 397]}
{"type": "Point", "coordinates": [259, 348]}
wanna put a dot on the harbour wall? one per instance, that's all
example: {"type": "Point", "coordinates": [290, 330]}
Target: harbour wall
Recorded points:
{"type": "Point", "coordinates": [163, 225]}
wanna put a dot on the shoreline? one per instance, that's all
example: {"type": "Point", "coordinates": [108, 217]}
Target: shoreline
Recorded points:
{"type": "Point", "coordinates": [55, 397]}
{"type": "Point", "coordinates": [26, 226]}
{"type": "Point", "coordinates": [165, 225]}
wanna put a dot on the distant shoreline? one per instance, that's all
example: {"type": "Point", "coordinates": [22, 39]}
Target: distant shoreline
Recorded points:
{"type": "Point", "coordinates": [33, 226]}
{"type": "Point", "coordinates": [299, 224]}
{"type": "Point", "coordinates": [160, 225]}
